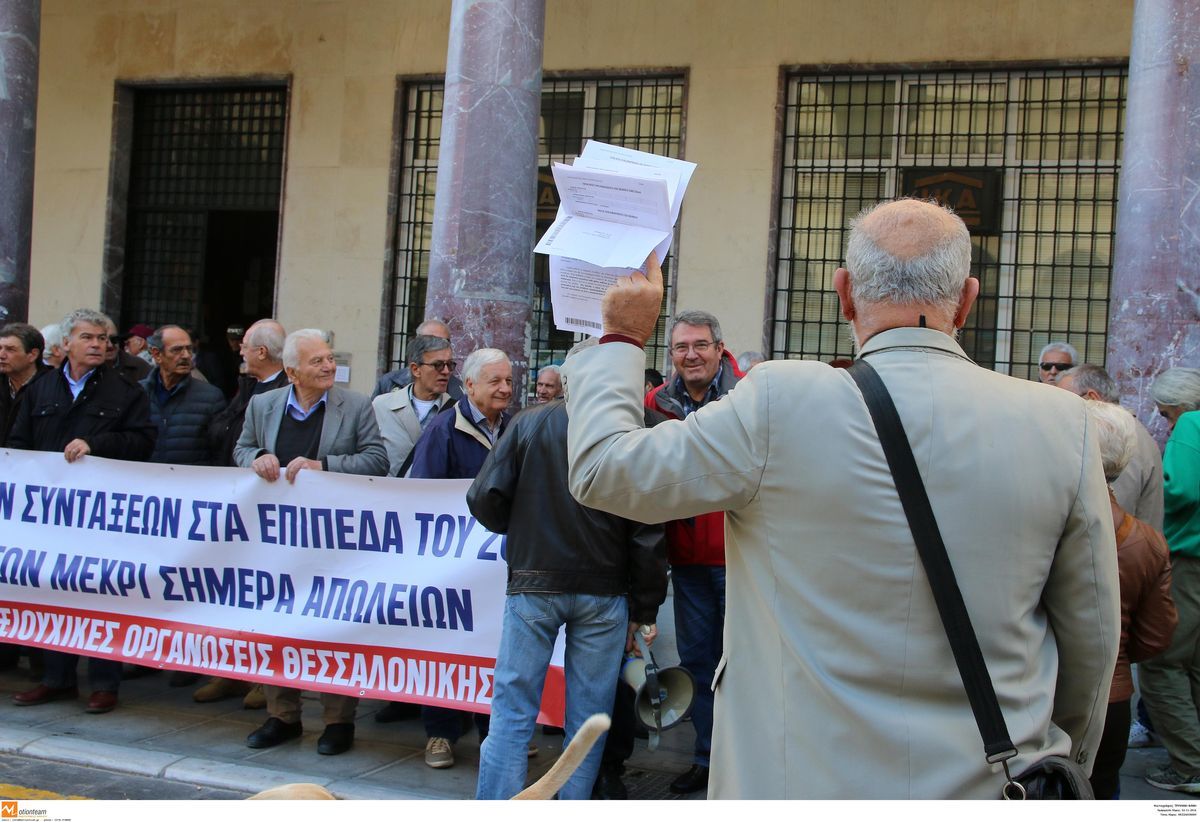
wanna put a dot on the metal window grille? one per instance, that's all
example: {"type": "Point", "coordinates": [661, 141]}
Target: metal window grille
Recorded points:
{"type": "Point", "coordinates": [645, 113]}
{"type": "Point", "coordinates": [195, 150]}
{"type": "Point", "coordinates": [1030, 157]}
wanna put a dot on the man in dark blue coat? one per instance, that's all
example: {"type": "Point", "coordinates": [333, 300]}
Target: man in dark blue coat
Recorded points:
{"type": "Point", "coordinates": [181, 407]}
{"type": "Point", "coordinates": [454, 446]}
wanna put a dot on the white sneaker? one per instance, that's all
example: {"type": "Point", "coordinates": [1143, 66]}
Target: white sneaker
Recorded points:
{"type": "Point", "coordinates": [1139, 736]}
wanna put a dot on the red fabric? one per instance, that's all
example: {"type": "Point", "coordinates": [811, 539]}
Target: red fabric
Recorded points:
{"type": "Point", "coordinates": [608, 338]}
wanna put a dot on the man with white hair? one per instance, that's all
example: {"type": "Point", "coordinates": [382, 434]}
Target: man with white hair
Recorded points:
{"type": "Point", "coordinates": [310, 426]}
{"type": "Point", "coordinates": [1056, 357]}
{"type": "Point", "coordinates": [55, 340]}
{"type": "Point", "coordinates": [454, 446]}
{"type": "Point", "coordinates": [836, 644]}
{"type": "Point", "coordinates": [84, 408]}
{"type": "Point", "coordinates": [549, 383]}
{"type": "Point", "coordinates": [1139, 488]}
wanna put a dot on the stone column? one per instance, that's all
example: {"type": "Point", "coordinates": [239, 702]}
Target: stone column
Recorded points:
{"type": "Point", "coordinates": [1154, 320]}
{"type": "Point", "coordinates": [481, 265]}
{"type": "Point", "coordinates": [20, 27]}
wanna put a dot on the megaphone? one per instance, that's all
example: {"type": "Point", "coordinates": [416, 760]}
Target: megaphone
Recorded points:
{"type": "Point", "coordinates": [664, 695]}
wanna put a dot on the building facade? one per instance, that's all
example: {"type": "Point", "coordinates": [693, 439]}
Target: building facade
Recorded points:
{"type": "Point", "coordinates": [209, 162]}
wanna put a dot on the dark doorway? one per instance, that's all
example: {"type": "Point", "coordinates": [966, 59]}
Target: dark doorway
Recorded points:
{"type": "Point", "coordinates": [205, 177]}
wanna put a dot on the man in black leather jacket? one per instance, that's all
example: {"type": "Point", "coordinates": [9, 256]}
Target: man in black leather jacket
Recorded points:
{"type": "Point", "coordinates": [600, 575]}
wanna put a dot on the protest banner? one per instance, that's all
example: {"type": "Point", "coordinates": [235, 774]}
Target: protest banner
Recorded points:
{"type": "Point", "coordinates": [374, 587]}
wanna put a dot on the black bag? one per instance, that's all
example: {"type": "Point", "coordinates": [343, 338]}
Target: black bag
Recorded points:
{"type": "Point", "coordinates": [1053, 777]}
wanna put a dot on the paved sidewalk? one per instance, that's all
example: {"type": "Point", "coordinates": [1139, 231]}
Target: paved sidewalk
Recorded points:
{"type": "Point", "coordinates": [159, 731]}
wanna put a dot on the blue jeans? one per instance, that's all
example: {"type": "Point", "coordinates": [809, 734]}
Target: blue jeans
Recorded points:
{"type": "Point", "coordinates": [596, 630]}
{"type": "Point", "coordinates": [699, 625]}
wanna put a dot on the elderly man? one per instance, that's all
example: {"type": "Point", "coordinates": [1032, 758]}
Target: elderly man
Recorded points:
{"type": "Point", "coordinates": [182, 408]}
{"type": "Point", "coordinates": [86, 408]}
{"type": "Point", "coordinates": [1168, 681]}
{"type": "Point", "coordinates": [403, 413]}
{"type": "Point", "coordinates": [704, 372]}
{"type": "Point", "coordinates": [137, 342]}
{"type": "Point", "coordinates": [135, 369]}
{"type": "Point", "coordinates": [1056, 357]}
{"type": "Point", "coordinates": [403, 376]}
{"type": "Point", "coordinates": [454, 446]}
{"type": "Point", "coordinates": [21, 347]}
{"type": "Point", "coordinates": [567, 565]}
{"type": "Point", "coordinates": [262, 354]}
{"type": "Point", "coordinates": [836, 643]}
{"type": "Point", "coordinates": [310, 426]}
{"type": "Point", "coordinates": [1139, 488]}
{"type": "Point", "coordinates": [549, 383]}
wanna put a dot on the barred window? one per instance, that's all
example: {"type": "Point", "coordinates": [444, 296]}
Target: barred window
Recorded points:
{"type": "Point", "coordinates": [644, 113]}
{"type": "Point", "coordinates": [1029, 158]}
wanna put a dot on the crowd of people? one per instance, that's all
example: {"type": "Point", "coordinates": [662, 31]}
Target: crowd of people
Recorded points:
{"type": "Point", "coordinates": [1075, 541]}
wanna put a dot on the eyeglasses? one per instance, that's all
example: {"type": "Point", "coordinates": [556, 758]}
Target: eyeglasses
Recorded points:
{"type": "Point", "coordinates": [441, 365]}
{"type": "Point", "coordinates": [699, 347]}
{"type": "Point", "coordinates": [1061, 366]}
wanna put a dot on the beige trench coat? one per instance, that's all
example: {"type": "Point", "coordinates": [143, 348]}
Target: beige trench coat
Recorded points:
{"type": "Point", "coordinates": [838, 680]}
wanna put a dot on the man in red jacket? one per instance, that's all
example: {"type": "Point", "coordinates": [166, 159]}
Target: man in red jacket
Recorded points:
{"type": "Point", "coordinates": [704, 372]}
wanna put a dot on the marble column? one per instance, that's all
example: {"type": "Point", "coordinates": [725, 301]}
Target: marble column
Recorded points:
{"type": "Point", "coordinates": [481, 265]}
{"type": "Point", "coordinates": [1154, 319]}
{"type": "Point", "coordinates": [20, 27]}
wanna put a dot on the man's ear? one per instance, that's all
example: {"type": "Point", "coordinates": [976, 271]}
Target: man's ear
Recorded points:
{"type": "Point", "coordinates": [966, 301]}
{"type": "Point", "coordinates": [841, 284]}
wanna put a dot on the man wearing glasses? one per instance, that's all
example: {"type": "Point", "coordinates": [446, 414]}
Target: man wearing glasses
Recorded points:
{"type": "Point", "coordinates": [1056, 358]}
{"type": "Point", "coordinates": [404, 412]}
{"type": "Point", "coordinates": [704, 372]}
{"type": "Point", "coordinates": [401, 377]}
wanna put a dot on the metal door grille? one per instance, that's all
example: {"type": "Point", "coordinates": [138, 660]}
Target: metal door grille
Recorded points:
{"type": "Point", "coordinates": [645, 113]}
{"type": "Point", "coordinates": [194, 151]}
{"type": "Point", "coordinates": [1051, 141]}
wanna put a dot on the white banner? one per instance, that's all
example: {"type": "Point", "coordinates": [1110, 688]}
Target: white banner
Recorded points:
{"type": "Point", "coordinates": [374, 587]}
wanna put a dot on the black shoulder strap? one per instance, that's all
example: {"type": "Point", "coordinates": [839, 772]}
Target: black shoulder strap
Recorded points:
{"type": "Point", "coordinates": [946, 593]}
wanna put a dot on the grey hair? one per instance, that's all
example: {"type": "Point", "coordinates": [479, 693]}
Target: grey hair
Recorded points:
{"type": "Point", "coordinates": [428, 323]}
{"type": "Point", "coordinates": [935, 277]}
{"type": "Point", "coordinates": [155, 340]}
{"type": "Point", "coordinates": [477, 360]}
{"type": "Point", "coordinates": [749, 359]}
{"type": "Point", "coordinates": [697, 318]}
{"type": "Point", "coordinates": [1177, 388]}
{"type": "Point", "coordinates": [553, 369]}
{"type": "Point", "coordinates": [1062, 347]}
{"type": "Point", "coordinates": [1115, 432]}
{"type": "Point", "coordinates": [269, 334]}
{"type": "Point", "coordinates": [53, 335]}
{"type": "Point", "coordinates": [1088, 377]}
{"type": "Point", "coordinates": [291, 346]}
{"type": "Point", "coordinates": [85, 316]}
{"type": "Point", "coordinates": [423, 344]}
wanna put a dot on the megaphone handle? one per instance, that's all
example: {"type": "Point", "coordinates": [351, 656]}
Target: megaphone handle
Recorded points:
{"type": "Point", "coordinates": [652, 690]}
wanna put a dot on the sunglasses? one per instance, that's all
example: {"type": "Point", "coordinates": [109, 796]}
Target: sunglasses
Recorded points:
{"type": "Point", "coordinates": [439, 365]}
{"type": "Point", "coordinates": [1061, 366]}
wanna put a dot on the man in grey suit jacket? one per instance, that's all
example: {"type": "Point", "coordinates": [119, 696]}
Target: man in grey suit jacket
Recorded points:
{"type": "Point", "coordinates": [404, 412]}
{"type": "Point", "coordinates": [309, 426]}
{"type": "Point", "coordinates": [837, 679]}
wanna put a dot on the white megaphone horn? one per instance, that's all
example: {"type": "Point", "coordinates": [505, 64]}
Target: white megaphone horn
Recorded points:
{"type": "Point", "coordinates": [664, 695]}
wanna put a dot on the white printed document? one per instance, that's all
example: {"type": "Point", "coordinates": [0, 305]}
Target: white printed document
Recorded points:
{"type": "Point", "coordinates": [617, 205]}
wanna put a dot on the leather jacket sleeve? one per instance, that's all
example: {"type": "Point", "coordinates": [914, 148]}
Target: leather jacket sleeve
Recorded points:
{"type": "Point", "coordinates": [1153, 618]}
{"type": "Point", "coordinates": [647, 571]}
{"type": "Point", "coordinates": [490, 496]}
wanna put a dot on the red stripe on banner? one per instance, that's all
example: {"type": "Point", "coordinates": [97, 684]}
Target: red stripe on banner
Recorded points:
{"type": "Point", "coordinates": [367, 671]}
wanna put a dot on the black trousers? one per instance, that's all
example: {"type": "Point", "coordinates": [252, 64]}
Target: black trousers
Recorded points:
{"type": "Point", "coordinates": [1110, 756]}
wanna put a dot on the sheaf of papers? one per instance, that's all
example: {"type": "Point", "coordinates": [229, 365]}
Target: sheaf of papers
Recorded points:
{"type": "Point", "coordinates": [617, 205]}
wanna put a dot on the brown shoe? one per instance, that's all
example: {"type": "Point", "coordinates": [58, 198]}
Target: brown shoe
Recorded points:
{"type": "Point", "coordinates": [101, 702]}
{"type": "Point", "coordinates": [219, 688]}
{"type": "Point", "coordinates": [43, 694]}
{"type": "Point", "coordinates": [256, 699]}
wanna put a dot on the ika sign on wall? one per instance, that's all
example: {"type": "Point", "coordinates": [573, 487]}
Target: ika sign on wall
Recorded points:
{"type": "Point", "coordinates": [374, 587]}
